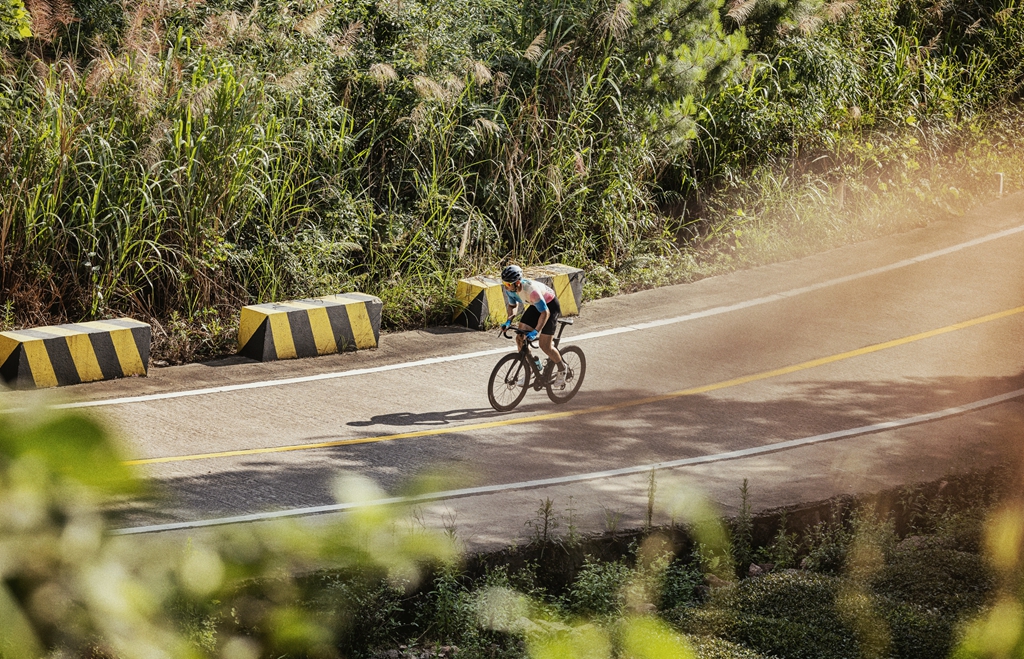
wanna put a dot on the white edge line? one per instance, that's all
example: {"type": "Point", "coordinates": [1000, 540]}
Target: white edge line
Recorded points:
{"type": "Point", "coordinates": [576, 478]}
{"type": "Point", "coordinates": [582, 337]}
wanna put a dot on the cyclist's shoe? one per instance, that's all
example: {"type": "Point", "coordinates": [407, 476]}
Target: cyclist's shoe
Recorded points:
{"type": "Point", "coordinates": [559, 381]}
{"type": "Point", "coordinates": [521, 380]}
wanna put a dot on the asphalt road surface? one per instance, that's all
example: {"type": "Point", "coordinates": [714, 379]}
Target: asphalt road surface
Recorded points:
{"type": "Point", "coordinates": [886, 362]}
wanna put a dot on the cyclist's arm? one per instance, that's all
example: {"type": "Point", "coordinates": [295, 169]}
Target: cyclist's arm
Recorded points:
{"type": "Point", "coordinates": [542, 307]}
{"type": "Point", "coordinates": [543, 320]}
{"type": "Point", "coordinates": [510, 306]}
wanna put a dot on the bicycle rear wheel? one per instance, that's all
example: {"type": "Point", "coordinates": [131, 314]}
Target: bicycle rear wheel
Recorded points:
{"type": "Point", "coordinates": [575, 369]}
{"type": "Point", "coordinates": [509, 381]}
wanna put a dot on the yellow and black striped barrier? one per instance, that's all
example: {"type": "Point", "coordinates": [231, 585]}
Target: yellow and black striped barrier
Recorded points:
{"type": "Point", "coordinates": [482, 302]}
{"type": "Point", "coordinates": [307, 328]}
{"type": "Point", "coordinates": [565, 281]}
{"type": "Point", "coordinates": [71, 354]}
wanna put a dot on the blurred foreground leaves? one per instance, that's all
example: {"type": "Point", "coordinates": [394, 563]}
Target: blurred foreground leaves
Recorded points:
{"type": "Point", "coordinates": [999, 633]}
{"type": "Point", "coordinates": [70, 588]}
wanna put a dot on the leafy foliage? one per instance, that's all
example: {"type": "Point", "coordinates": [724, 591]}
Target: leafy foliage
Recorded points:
{"type": "Point", "coordinates": [681, 585]}
{"type": "Point", "coordinates": [599, 588]}
{"type": "Point", "coordinates": [182, 157]}
{"type": "Point", "coordinates": [947, 581]}
{"type": "Point", "coordinates": [359, 587]}
{"type": "Point", "coordinates": [67, 585]}
{"type": "Point", "coordinates": [14, 21]}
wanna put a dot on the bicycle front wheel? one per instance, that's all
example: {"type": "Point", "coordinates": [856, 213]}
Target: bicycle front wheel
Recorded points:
{"type": "Point", "coordinates": [509, 381]}
{"type": "Point", "coordinates": [575, 369]}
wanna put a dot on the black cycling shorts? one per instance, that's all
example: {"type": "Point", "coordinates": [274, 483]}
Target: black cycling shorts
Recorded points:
{"type": "Point", "coordinates": [532, 315]}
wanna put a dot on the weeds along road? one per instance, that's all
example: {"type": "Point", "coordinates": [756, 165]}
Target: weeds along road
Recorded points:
{"type": "Point", "coordinates": [815, 352]}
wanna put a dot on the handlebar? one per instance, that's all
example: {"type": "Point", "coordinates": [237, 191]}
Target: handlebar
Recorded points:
{"type": "Point", "coordinates": [505, 330]}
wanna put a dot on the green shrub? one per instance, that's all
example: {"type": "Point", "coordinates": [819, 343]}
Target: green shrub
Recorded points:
{"type": "Point", "coordinates": [916, 599]}
{"type": "Point", "coordinates": [368, 612]}
{"type": "Point", "coordinates": [598, 588]}
{"type": "Point", "coordinates": [782, 551]}
{"type": "Point", "coordinates": [945, 580]}
{"type": "Point", "coordinates": [917, 632]}
{"type": "Point", "coordinates": [828, 544]}
{"type": "Point", "coordinates": [707, 647]}
{"type": "Point", "coordinates": [786, 614]}
{"type": "Point", "coordinates": [446, 614]}
{"type": "Point", "coordinates": [962, 528]}
{"type": "Point", "coordinates": [681, 585]}
{"type": "Point", "coordinates": [600, 282]}
{"type": "Point", "coordinates": [798, 595]}
{"type": "Point", "coordinates": [778, 637]}
{"type": "Point", "coordinates": [206, 335]}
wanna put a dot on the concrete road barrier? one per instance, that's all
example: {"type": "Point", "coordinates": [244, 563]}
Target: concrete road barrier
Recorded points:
{"type": "Point", "coordinates": [567, 283]}
{"type": "Point", "coordinates": [307, 328]}
{"type": "Point", "coordinates": [70, 354]}
{"type": "Point", "coordinates": [482, 302]}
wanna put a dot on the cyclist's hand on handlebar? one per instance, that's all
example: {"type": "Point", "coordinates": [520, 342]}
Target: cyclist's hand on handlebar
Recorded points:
{"type": "Point", "coordinates": [532, 336]}
{"type": "Point", "coordinates": [507, 324]}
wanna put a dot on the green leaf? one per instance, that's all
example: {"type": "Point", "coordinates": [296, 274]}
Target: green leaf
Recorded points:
{"type": "Point", "coordinates": [17, 639]}
{"type": "Point", "coordinates": [651, 638]}
{"type": "Point", "coordinates": [74, 447]}
{"type": "Point", "coordinates": [583, 642]}
{"type": "Point", "coordinates": [15, 22]}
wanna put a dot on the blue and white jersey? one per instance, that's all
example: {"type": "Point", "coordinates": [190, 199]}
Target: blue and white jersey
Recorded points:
{"type": "Point", "coordinates": [533, 292]}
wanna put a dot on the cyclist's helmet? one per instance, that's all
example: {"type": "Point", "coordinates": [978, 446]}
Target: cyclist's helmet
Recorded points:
{"type": "Point", "coordinates": [511, 274]}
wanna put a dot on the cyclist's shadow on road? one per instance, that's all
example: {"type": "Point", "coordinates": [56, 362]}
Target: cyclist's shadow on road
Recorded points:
{"type": "Point", "coordinates": [427, 418]}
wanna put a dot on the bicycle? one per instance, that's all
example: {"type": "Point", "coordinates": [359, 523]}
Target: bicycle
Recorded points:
{"type": "Point", "coordinates": [517, 372]}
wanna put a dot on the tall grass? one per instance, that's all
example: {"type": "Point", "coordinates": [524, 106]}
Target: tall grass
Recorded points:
{"type": "Point", "coordinates": [180, 160]}
{"type": "Point", "coordinates": [169, 175]}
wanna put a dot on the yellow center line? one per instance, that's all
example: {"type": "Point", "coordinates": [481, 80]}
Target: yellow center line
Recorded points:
{"type": "Point", "coordinates": [692, 391]}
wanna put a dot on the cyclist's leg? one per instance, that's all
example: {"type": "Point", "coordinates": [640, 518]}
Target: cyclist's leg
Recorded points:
{"type": "Point", "coordinates": [547, 334]}
{"type": "Point", "coordinates": [527, 323]}
{"type": "Point", "coordinates": [550, 350]}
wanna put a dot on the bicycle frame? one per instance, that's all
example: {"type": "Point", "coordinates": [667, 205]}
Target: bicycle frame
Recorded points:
{"type": "Point", "coordinates": [507, 384]}
{"type": "Point", "coordinates": [539, 381]}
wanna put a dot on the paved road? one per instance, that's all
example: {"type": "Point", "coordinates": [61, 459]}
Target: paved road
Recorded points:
{"type": "Point", "coordinates": [761, 370]}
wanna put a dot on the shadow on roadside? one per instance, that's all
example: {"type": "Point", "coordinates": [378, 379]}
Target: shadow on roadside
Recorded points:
{"type": "Point", "coordinates": [427, 418]}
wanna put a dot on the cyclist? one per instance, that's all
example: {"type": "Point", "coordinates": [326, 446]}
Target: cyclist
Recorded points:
{"type": "Point", "coordinates": [541, 315]}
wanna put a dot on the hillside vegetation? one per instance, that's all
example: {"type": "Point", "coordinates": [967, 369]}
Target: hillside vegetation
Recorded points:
{"type": "Point", "coordinates": [175, 159]}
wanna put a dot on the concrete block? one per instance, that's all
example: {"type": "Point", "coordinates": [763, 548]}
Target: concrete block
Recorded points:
{"type": "Point", "coordinates": [307, 328]}
{"type": "Point", "coordinates": [60, 355]}
{"type": "Point", "coordinates": [483, 303]}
